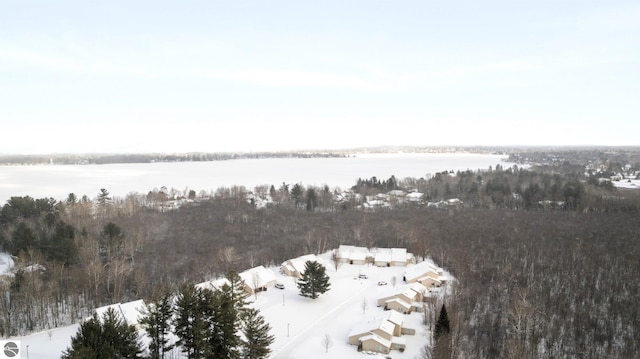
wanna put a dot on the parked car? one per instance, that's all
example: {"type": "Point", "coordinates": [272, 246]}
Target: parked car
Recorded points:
{"type": "Point", "coordinates": [279, 285]}
{"type": "Point", "coordinates": [362, 276]}
{"type": "Point", "coordinates": [382, 282]}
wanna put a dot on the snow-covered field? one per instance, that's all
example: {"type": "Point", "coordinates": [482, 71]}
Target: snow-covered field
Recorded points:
{"type": "Point", "coordinates": [627, 183]}
{"type": "Point", "coordinates": [300, 324]}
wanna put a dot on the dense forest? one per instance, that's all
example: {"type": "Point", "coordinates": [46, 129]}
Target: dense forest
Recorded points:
{"type": "Point", "coordinates": [545, 257]}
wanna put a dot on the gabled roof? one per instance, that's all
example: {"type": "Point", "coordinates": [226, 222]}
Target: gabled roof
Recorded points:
{"type": "Point", "coordinates": [410, 293]}
{"type": "Point", "coordinates": [383, 255]}
{"type": "Point", "coordinates": [384, 342]}
{"type": "Point", "coordinates": [361, 329]}
{"type": "Point", "coordinates": [398, 254]}
{"type": "Point", "coordinates": [396, 318]}
{"type": "Point", "coordinates": [418, 287]}
{"type": "Point", "coordinates": [390, 255]}
{"type": "Point", "coordinates": [299, 263]}
{"type": "Point", "coordinates": [352, 252]}
{"type": "Point", "coordinates": [399, 301]}
{"type": "Point", "coordinates": [387, 327]}
{"type": "Point", "coordinates": [129, 312]}
{"type": "Point", "coordinates": [257, 277]}
{"type": "Point", "coordinates": [420, 270]}
{"type": "Point", "coordinates": [213, 284]}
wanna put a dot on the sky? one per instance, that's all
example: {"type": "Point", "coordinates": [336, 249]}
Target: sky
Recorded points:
{"type": "Point", "coordinates": [217, 76]}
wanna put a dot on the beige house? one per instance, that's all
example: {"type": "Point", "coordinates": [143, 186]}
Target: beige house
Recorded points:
{"type": "Point", "coordinates": [398, 305]}
{"type": "Point", "coordinates": [352, 254]}
{"type": "Point", "coordinates": [397, 320]}
{"type": "Point", "coordinates": [382, 336]}
{"type": "Point", "coordinates": [426, 273]}
{"type": "Point", "coordinates": [391, 257]}
{"type": "Point", "coordinates": [420, 289]}
{"type": "Point", "coordinates": [409, 300]}
{"type": "Point", "coordinates": [430, 280]}
{"type": "Point", "coordinates": [295, 267]}
{"type": "Point", "coordinates": [257, 279]}
{"type": "Point", "coordinates": [381, 257]}
{"type": "Point", "coordinates": [374, 343]}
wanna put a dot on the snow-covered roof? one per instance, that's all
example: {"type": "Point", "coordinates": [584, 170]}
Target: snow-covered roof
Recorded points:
{"type": "Point", "coordinates": [410, 293]}
{"type": "Point", "coordinates": [396, 192]}
{"type": "Point", "coordinates": [391, 255]}
{"type": "Point", "coordinates": [383, 255]}
{"type": "Point", "coordinates": [299, 264]}
{"type": "Point", "coordinates": [213, 284]}
{"type": "Point", "coordinates": [418, 288]}
{"type": "Point", "coordinates": [420, 270]}
{"type": "Point", "coordinates": [396, 318]}
{"type": "Point", "coordinates": [431, 276]}
{"type": "Point", "coordinates": [352, 252]}
{"type": "Point", "coordinates": [387, 327]}
{"type": "Point", "coordinates": [257, 277]}
{"type": "Point", "coordinates": [384, 342]}
{"type": "Point", "coordinates": [129, 311]}
{"type": "Point", "coordinates": [376, 203]}
{"type": "Point", "coordinates": [399, 301]}
{"type": "Point", "coordinates": [398, 254]}
{"type": "Point", "coordinates": [361, 329]}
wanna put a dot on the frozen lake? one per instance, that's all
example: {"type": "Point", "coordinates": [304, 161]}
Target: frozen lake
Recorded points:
{"type": "Point", "coordinates": [57, 181]}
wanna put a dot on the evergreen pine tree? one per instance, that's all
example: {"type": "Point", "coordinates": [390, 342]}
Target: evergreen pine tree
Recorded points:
{"type": "Point", "coordinates": [225, 323]}
{"type": "Point", "coordinates": [192, 321]}
{"type": "Point", "coordinates": [442, 325]}
{"type": "Point", "coordinates": [110, 337]}
{"type": "Point", "coordinates": [257, 339]}
{"type": "Point", "coordinates": [238, 294]}
{"type": "Point", "coordinates": [156, 318]}
{"type": "Point", "coordinates": [315, 280]}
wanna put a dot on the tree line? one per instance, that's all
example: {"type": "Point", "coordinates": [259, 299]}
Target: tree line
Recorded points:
{"type": "Point", "coordinates": [200, 322]}
{"type": "Point", "coordinates": [533, 281]}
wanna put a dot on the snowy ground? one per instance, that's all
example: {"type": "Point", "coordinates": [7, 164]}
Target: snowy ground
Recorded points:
{"type": "Point", "coordinates": [6, 262]}
{"type": "Point", "coordinates": [627, 183]}
{"type": "Point", "coordinates": [299, 324]}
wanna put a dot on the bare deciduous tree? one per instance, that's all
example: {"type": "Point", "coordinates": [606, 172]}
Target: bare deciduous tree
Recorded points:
{"type": "Point", "coordinates": [327, 342]}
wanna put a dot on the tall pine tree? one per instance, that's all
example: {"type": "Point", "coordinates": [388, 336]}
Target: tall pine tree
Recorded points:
{"type": "Point", "coordinates": [315, 280]}
{"type": "Point", "coordinates": [442, 325]}
{"type": "Point", "coordinates": [192, 317]}
{"type": "Point", "coordinates": [225, 323]}
{"type": "Point", "coordinates": [109, 337]}
{"type": "Point", "coordinates": [256, 341]}
{"type": "Point", "coordinates": [156, 318]}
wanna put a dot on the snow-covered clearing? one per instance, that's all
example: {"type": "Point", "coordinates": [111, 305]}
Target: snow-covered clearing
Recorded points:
{"type": "Point", "coordinates": [627, 183]}
{"type": "Point", "coordinates": [299, 324]}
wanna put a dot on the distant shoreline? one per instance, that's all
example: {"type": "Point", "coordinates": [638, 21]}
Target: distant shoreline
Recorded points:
{"type": "Point", "coordinates": [154, 157]}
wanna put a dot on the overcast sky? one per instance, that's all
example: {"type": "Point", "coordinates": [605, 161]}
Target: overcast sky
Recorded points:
{"type": "Point", "coordinates": [177, 76]}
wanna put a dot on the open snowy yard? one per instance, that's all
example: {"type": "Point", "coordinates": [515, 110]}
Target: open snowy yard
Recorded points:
{"type": "Point", "coordinates": [300, 325]}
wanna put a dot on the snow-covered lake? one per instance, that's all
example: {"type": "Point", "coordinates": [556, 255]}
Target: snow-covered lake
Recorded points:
{"type": "Point", "coordinates": [57, 181]}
